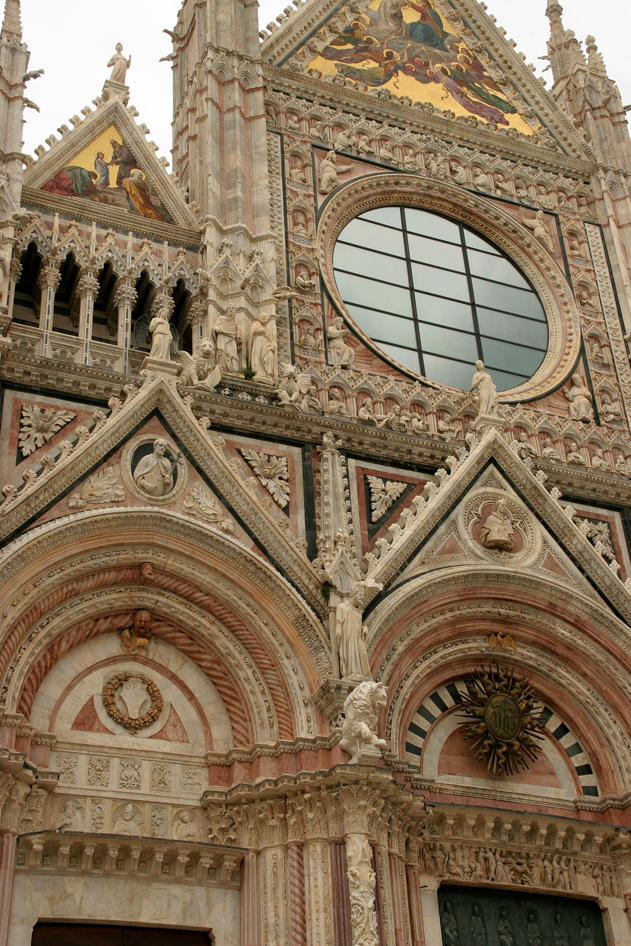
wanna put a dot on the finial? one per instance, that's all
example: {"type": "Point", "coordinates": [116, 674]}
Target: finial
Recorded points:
{"type": "Point", "coordinates": [12, 22]}
{"type": "Point", "coordinates": [554, 8]}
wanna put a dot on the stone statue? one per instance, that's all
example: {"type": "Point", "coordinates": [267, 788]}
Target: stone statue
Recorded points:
{"type": "Point", "coordinates": [351, 633]}
{"type": "Point", "coordinates": [328, 173]}
{"type": "Point", "coordinates": [154, 473]}
{"type": "Point", "coordinates": [119, 65]}
{"type": "Point", "coordinates": [227, 341]}
{"type": "Point", "coordinates": [580, 398]}
{"type": "Point", "coordinates": [262, 346]}
{"type": "Point", "coordinates": [549, 451]}
{"type": "Point", "coordinates": [362, 708]}
{"type": "Point", "coordinates": [336, 404]}
{"type": "Point", "coordinates": [136, 640]}
{"type": "Point", "coordinates": [623, 467]}
{"type": "Point", "coordinates": [342, 355]}
{"type": "Point", "coordinates": [539, 230]}
{"type": "Point", "coordinates": [197, 368]}
{"type": "Point", "coordinates": [446, 431]}
{"type": "Point", "coordinates": [451, 936]}
{"type": "Point", "coordinates": [524, 450]}
{"type": "Point", "coordinates": [574, 456]}
{"type": "Point", "coordinates": [126, 823]}
{"type": "Point", "coordinates": [598, 460]}
{"type": "Point", "coordinates": [160, 329]}
{"type": "Point", "coordinates": [308, 340]}
{"type": "Point", "coordinates": [610, 410]}
{"type": "Point", "coordinates": [304, 283]}
{"type": "Point", "coordinates": [366, 413]}
{"type": "Point", "coordinates": [487, 392]}
{"type": "Point", "coordinates": [497, 531]}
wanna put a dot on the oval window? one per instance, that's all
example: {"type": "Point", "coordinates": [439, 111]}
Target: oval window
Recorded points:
{"type": "Point", "coordinates": [436, 297]}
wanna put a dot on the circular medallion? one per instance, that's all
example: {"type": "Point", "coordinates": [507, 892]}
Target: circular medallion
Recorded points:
{"type": "Point", "coordinates": [154, 469]}
{"type": "Point", "coordinates": [497, 527]}
{"type": "Point", "coordinates": [503, 717]}
{"type": "Point", "coordinates": [125, 697]}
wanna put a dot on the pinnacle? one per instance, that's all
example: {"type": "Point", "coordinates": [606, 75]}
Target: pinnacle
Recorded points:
{"type": "Point", "coordinates": [12, 20]}
{"type": "Point", "coordinates": [554, 8]}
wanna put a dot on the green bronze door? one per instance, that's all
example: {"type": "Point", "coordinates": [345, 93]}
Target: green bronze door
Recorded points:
{"type": "Point", "coordinates": [479, 917]}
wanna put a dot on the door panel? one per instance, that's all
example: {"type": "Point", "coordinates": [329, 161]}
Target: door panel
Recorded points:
{"type": "Point", "coordinates": [89, 934]}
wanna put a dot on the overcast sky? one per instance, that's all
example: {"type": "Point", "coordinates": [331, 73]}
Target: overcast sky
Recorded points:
{"type": "Point", "coordinates": [74, 39]}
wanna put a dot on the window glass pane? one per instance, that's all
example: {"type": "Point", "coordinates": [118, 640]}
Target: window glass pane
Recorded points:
{"type": "Point", "coordinates": [386, 328]}
{"type": "Point", "coordinates": [507, 298]}
{"type": "Point", "coordinates": [444, 312]}
{"type": "Point", "coordinates": [365, 263]}
{"type": "Point", "coordinates": [520, 331]}
{"type": "Point", "coordinates": [440, 254]}
{"type": "Point", "coordinates": [373, 276]}
{"type": "Point", "coordinates": [496, 267]}
{"type": "Point", "coordinates": [419, 221]}
{"type": "Point", "coordinates": [428, 279]}
{"type": "Point", "coordinates": [513, 358]}
{"type": "Point", "coordinates": [403, 355]}
{"type": "Point", "coordinates": [391, 216]}
{"type": "Point", "coordinates": [362, 233]}
{"type": "Point", "coordinates": [454, 373]}
{"type": "Point", "coordinates": [477, 243]}
{"type": "Point", "coordinates": [377, 295]}
{"type": "Point", "coordinates": [444, 341]}
{"type": "Point", "coordinates": [505, 380]}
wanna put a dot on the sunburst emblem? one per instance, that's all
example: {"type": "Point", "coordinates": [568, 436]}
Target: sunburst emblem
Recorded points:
{"type": "Point", "coordinates": [502, 717]}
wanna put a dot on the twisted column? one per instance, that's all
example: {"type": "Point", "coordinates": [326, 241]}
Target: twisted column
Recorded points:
{"type": "Point", "coordinates": [298, 919]}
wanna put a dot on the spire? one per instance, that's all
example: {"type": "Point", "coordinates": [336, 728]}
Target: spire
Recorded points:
{"type": "Point", "coordinates": [554, 8]}
{"type": "Point", "coordinates": [12, 23]}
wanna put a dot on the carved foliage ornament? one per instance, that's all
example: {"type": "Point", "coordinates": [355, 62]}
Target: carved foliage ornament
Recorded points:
{"type": "Point", "coordinates": [273, 474]}
{"type": "Point", "coordinates": [499, 716]}
{"type": "Point", "coordinates": [38, 425]}
{"type": "Point", "coordinates": [382, 495]}
{"type": "Point", "coordinates": [147, 688]}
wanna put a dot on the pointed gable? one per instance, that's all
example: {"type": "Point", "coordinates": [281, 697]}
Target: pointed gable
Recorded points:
{"type": "Point", "coordinates": [446, 59]}
{"type": "Point", "coordinates": [105, 169]}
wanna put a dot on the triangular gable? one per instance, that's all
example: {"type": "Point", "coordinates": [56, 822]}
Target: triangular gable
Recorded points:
{"type": "Point", "coordinates": [105, 166]}
{"type": "Point", "coordinates": [60, 475]}
{"type": "Point", "coordinates": [562, 553]}
{"type": "Point", "coordinates": [457, 542]}
{"type": "Point", "coordinates": [437, 55]}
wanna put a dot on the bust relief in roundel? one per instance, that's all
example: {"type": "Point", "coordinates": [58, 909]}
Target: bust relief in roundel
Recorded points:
{"type": "Point", "coordinates": [498, 528]}
{"type": "Point", "coordinates": [153, 469]}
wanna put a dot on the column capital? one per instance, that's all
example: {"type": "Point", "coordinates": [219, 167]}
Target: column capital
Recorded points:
{"type": "Point", "coordinates": [88, 284]}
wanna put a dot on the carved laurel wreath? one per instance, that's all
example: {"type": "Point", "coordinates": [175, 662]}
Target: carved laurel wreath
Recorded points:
{"type": "Point", "coordinates": [123, 719]}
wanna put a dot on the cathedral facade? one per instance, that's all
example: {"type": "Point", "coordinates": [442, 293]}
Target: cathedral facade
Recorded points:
{"type": "Point", "coordinates": [315, 526]}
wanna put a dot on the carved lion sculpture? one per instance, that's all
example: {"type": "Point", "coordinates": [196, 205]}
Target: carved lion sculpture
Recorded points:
{"type": "Point", "coordinates": [198, 369]}
{"type": "Point", "coordinates": [362, 708]}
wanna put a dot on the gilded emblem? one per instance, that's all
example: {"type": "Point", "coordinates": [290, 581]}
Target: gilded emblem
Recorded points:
{"type": "Point", "coordinates": [500, 715]}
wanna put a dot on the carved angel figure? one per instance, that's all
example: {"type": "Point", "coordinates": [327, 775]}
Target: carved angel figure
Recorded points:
{"type": "Point", "coordinates": [362, 708]}
{"type": "Point", "coordinates": [38, 425]}
{"type": "Point", "coordinates": [382, 495]}
{"type": "Point", "coordinates": [273, 474]}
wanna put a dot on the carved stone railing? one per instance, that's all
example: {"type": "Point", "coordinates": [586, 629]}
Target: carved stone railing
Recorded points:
{"type": "Point", "coordinates": [76, 853]}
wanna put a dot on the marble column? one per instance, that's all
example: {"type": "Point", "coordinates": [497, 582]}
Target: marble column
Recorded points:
{"type": "Point", "coordinates": [198, 318]}
{"type": "Point", "coordinates": [318, 893]}
{"type": "Point", "coordinates": [429, 909]}
{"type": "Point", "coordinates": [342, 932]}
{"type": "Point", "coordinates": [250, 906]}
{"type": "Point", "coordinates": [273, 897]}
{"type": "Point", "coordinates": [125, 300]}
{"type": "Point", "coordinates": [297, 914]}
{"type": "Point", "coordinates": [49, 283]}
{"type": "Point", "coordinates": [398, 906]}
{"type": "Point", "coordinates": [88, 289]}
{"type": "Point", "coordinates": [8, 853]}
{"type": "Point", "coordinates": [414, 903]}
{"type": "Point", "coordinates": [15, 271]}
